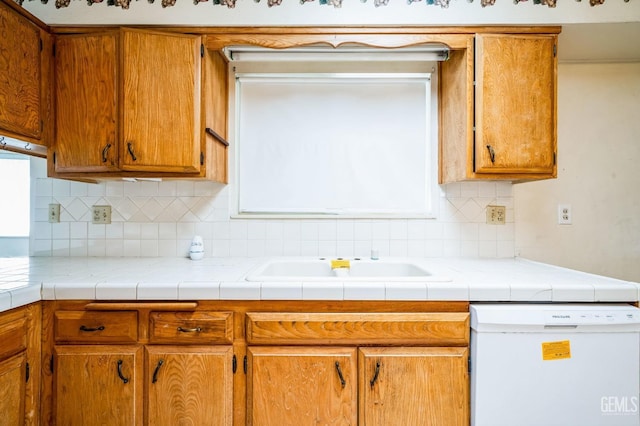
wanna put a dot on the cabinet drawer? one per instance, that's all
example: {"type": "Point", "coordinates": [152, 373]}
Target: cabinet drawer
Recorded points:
{"type": "Point", "coordinates": [191, 327]}
{"type": "Point", "coordinates": [96, 327]}
{"type": "Point", "coordinates": [424, 329]}
{"type": "Point", "coordinates": [13, 337]}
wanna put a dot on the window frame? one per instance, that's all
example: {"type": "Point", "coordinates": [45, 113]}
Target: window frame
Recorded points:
{"type": "Point", "coordinates": [431, 151]}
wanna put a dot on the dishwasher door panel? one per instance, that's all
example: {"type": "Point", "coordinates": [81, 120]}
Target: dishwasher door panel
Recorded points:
{"type": "Point", "coordinates": [512, 385]}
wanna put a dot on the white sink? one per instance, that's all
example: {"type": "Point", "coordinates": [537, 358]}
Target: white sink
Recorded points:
{"type": "Point", "coordinates": [319, 269]}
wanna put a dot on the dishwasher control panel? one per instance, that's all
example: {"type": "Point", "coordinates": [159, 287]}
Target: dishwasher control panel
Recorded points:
{"type": "Point", "coordinates": [496, 317]}
{"type": "Point", "coordinates": [589, 317]}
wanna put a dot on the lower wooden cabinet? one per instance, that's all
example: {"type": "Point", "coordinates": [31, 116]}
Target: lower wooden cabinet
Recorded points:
{"type": "Point", "coordinates": [391, 368]}
{"type": "Point", "coordinates": [127, 364]}
{"type": "Point", "coordinates": [368, 386]}
{"type": "Point", "coordinates": [413, 386]}
{"type": "Point", "coordinates": [258, 363]}
{"type": "Point", "coordinates": [189, 385]}
{"type": "Point", "coordinates": [301, 386]}
{"type": "Point", "coordinates": [20, 366]}
{"type": "Point", "coordinates": [105, 385]}
{"type": "Point", "coordinates": [12, 389]}
{"type": "Point", "coordinates": [98, 385]}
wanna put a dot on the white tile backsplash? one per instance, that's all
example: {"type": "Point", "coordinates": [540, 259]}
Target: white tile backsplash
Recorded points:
{"type": "Point", "coordinates": [160, 219]}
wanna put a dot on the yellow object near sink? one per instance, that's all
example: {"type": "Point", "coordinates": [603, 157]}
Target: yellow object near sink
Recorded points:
{"type": "Point", "coordinates": [356, 269]}
{"type": "Point", "coordinates": [340, 263]}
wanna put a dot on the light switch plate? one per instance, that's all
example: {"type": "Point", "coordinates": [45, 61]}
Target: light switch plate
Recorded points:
{"type": "Point", "coordinates": [496, 215]}
{"type": "Point", "coordinates": [54, 213]}
{"type": "Point", "coordinates": [101, 215]}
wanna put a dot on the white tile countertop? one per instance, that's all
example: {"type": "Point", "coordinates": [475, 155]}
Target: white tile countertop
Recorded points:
{"type": "Point", "coordinates": [25, 280]}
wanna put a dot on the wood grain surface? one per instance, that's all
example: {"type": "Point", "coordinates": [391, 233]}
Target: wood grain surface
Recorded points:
{"type": "Point", "coordinates": [20, 79]}
{"type": "Point", "coordinates": [428, 329]}
{"type": "Point", "coordinates": [192, 385]}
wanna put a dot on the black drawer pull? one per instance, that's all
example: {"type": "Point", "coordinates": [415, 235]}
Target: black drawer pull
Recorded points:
{"type": "Point", "coordinates": [85, 328]}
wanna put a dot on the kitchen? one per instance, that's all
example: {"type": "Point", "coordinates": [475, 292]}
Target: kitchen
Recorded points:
{"type": "Point", "coordinates": [201, 207]}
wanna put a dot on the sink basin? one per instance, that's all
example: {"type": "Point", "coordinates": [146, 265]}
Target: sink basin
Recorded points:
{"type": "Point", "coordinates": [359, 270]}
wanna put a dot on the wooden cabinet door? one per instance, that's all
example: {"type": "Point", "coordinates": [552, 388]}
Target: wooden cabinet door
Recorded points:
{"type": "Point", "coordinates": [13, 390]}
{"type": "Point", "coordinates": [301, 386]}
{"type": "Point", "coordinates": [98, 385]}
{"type": "Point", "coordinates": [515, 104]}
{"type": "Point", "coordinates": [86, 103]}
{"type": "Point", "coordinates": [413, 386]}
{"type": "Point", "coordinates": [161, 102]}
{"type": "Point", "coordinates": [20, 352]}
{"type": "Point", "coordinates": [20, 79]}
{"type": "Point", "coordinates": [216, 98]}
{"type": "Point", "coordinates": [189, 385]}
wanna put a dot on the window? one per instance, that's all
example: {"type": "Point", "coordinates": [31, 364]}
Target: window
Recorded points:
{"type": "Point", "coordinates": [342, 144]}
{"type": "Point", "coordinates": [14, 215]}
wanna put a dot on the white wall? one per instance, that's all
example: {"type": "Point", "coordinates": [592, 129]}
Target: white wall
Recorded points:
{"type": "Point", "coordinates": [598, 174]}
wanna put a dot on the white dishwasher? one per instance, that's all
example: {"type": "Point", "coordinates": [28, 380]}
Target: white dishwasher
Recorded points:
{"type": "Point", "coordinates": [555, 364]}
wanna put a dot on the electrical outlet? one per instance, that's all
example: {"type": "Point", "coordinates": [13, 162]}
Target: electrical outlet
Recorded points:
{"type": "Point", "coordinates": [101, 215]}
{"type": "Point", "coordinates": [496, 215]}
{"type": "Point", "coordinates": [54, 213]}
{"type": "Point", "coordinates": [564, 214]}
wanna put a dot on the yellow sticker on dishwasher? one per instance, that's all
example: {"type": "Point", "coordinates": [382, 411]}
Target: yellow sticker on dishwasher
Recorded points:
{"type": "Point", "coordinates": [556, 350]}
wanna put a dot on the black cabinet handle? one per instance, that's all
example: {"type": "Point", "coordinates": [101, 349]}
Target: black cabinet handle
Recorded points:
{"type": "Point", "coordinates": [216, 136]}
{"type": "Point", "coordinates": [340, 376]}
{"type": "Point", "coordinates": [124, 379]}
{"type": "Point", "coordinates": [85, 328]}
{"type": "Point", "coordinates": [130, 149]}
{"type": "Point", "coordinates": [374, 379]}
{"type": "Point", "coordinates": [104, 152]}
{"type": "Point", "coordinates": [492, 154]}
{"type": "Point", "coordinates": [156, 371]}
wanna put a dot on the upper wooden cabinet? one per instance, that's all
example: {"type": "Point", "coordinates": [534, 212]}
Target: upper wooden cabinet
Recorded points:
{"type": "Point", "coordinates": [515, 104]}
{"type": "Point", "coordinates": [25, 64]}
{"type": "Point", "coordinates": [498, 119]}
{"type": "Point", "coordinates": [86, 103]}
{"type": "Point", "coordinates": [130, 101]}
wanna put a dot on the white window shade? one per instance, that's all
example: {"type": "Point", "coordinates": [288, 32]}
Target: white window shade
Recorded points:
{"type": "Point", "coordinates": [345, 144]}
{"type": "Point", "coordinates": [351, 52]}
